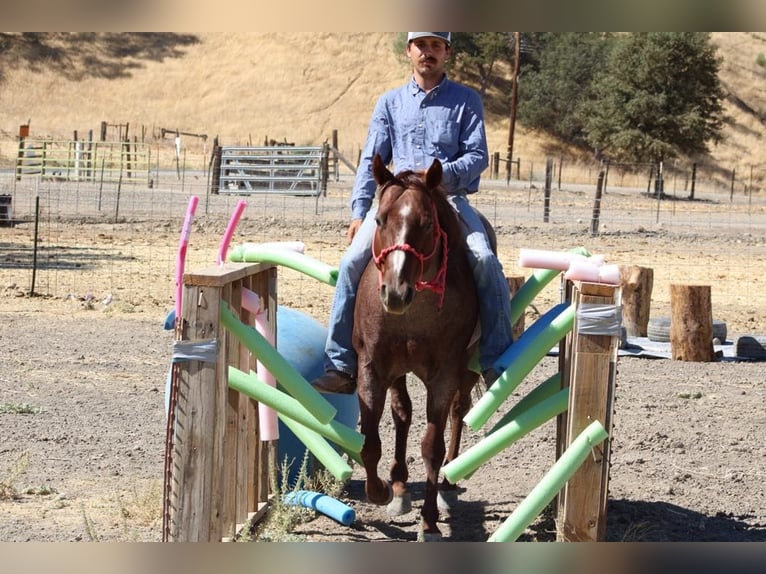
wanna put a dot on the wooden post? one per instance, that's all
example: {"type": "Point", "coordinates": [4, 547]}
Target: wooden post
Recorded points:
{"type": "Point", "coordinates": [583, 501]}
{"type": "Point", "coordinates": [637, 283]}
{"type": "Point", "coordinates": [514, 284]}
{"type": "Point", "coordinates": [691, 323]}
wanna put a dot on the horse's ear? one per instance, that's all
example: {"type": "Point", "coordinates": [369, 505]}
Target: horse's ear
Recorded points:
{"type": "Point", "coordinates": [379, 170]}
{"type": "Point", "coordinates": [434, 175]}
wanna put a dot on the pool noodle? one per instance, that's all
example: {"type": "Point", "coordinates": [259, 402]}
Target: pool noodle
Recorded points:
{"type": "Point", "coordinates": [586, 271]}
{"type": "Point", "coordinates": [546, 389]}
{"type": "Point", "coordinates": [323, 503]}
{"type": "Point", "coordinates": [520, 359]}
{"type": "Point", "coordinates": [553, 481]}
{"type": "Point", "coordinates": [534, 284]}
{"type": "Point", "coordinates": [320, 448]}
{"type": "Point", "coordinates": [263, 253]}
{"type": "Point", "coordinates": [229, 233]}
{"type": "Point", "coordinates": [267, 417]}
{"type": "Point", "coordinates": [560, 260]}
{"type": "Point", "coordinates": [254, 387]}
{"type": "Point", "coordinates": [469, 460]}
{"type": "Point", "coordinates": [285, 373]}
{"type": "Point", "coordinates": [183, 245]}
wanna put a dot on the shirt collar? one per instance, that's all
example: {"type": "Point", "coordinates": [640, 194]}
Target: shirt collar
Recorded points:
{"type": "Point", "coordinates": [415, 87]}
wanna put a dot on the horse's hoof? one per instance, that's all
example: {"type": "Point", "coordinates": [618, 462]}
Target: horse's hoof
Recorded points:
{"type": "Point", "coordinates": [400, 505]}
{"type": "Point", "coordinates": [388, 498]}
{"type": "Point", "coordinates": [424, 536]}
{"type": "Point", "coordinates": [447, 499]}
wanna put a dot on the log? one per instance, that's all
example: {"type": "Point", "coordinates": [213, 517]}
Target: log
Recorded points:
{"type": "Point", "coordinates": [514, 284]}
{"type": "Point", "coordinates": [637, 283]}
{"type": "Point", "coordinates": [691, 323]}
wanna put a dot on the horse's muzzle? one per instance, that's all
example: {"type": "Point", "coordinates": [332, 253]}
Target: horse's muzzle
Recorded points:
{"type": "Point", "coordinates": [396, 301]}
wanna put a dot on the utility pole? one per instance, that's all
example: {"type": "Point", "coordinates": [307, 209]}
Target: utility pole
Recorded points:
{"type": "Point", "coordinates": [514, 101]}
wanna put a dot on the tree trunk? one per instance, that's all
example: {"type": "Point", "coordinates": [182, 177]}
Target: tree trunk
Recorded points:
{"type": "Point", "coordinates": [691, 323]}
{"type": "Point", "coordinates": [636, 283]}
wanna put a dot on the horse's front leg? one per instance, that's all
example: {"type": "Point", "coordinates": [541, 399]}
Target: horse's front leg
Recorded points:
{"type": "Point", "coordinates": [448, 492]}
{"type": "Point", "coordinates": [401, 412]}
{"type": "Point", "coordinates": [372, 400]}
{"type": "Point", "coordinates": [433, 450]}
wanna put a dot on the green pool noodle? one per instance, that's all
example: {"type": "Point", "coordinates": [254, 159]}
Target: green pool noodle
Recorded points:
{"type": "Point", "coordinates": [520, 359]}
{"type": "Point", "coordinates": [489, 446]}
{"type": "Point", "coordinates": [529, 290]}
{"type": "Point", "coordinates": [536, 283]}
{"type": "Point", "coordinates": [319, 447]}
{"type": "Point", "coordinates": [547, 388]}
{"type": "Point", "coordinates": [319, 407]}
{"type": "Point", "coordinates": [253, 387]}
{"type": "Point", "coordinates": [553, 481]}
{"type": "Point", "coordinates": [254, 253]}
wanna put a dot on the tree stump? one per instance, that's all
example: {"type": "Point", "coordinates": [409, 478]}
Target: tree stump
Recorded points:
{"type": "Point", "coordinates": [637, 283]}
{"type": "Point", "coordinates": [514, 284]}
{"type": "Point", "coordinates": [691, 323]}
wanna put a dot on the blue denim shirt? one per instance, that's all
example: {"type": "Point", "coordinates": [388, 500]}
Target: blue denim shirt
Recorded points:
{"type": "Point", "coordinates": [411, 128]}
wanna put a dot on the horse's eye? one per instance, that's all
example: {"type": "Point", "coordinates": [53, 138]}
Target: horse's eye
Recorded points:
{"type": "Point", "coordinates": [378, 221]}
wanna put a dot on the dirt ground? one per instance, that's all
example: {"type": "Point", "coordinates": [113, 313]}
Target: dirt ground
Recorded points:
{"type": "Point", "coordinates": [82, 423]}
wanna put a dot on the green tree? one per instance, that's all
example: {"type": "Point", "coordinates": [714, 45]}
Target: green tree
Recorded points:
{"type": "Point", "coordinates": [480, 53]}
{"type": "Point", "coordinates": [559, 84]}
{"type": "Point", "coordinates": [659, 97]}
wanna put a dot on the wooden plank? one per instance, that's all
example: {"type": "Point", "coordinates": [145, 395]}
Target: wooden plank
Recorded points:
{"type": "Point", "coordinates": [243, 363]}
{"type": "Point", "coordinates": [218, 512]}
{"type": "Point", "coordinates": [221, 275]}
{"type": "Point", "coordinates": [231, 295]}
{"type": "Point", "coordinates": [193, 463]}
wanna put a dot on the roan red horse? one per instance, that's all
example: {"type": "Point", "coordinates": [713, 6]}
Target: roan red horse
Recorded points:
{"type": "Point", "coordinates": [416, 312]}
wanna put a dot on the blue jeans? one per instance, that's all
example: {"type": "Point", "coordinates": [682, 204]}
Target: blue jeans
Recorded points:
{"type": "Point", "coordinates": [491, 285]}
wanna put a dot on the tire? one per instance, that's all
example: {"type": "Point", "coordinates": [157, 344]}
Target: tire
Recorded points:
{"type": "Point", "coordinates": [658, 330]}
{"type": "Point", "coordinates": [752, 347]}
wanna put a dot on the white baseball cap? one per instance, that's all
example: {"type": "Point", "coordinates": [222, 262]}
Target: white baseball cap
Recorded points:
{"type": "Point", "coordinates": [446, 36]}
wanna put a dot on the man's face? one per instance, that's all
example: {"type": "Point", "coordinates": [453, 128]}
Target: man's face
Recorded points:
{"type": "Point", "coordinates": [428, 56]}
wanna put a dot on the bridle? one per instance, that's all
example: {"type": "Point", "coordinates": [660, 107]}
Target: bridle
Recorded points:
{"type": "Point", "coordinates": [438, 283]}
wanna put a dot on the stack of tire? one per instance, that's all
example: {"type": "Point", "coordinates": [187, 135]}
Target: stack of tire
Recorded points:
{"type": "Point", "coordinates": [658, 330]}
{"type": "Point", "coordinates": [749, 346]}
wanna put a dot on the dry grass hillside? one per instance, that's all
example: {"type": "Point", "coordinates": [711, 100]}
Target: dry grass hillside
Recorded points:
{"type": "Point", "coordinates": [298, 87]}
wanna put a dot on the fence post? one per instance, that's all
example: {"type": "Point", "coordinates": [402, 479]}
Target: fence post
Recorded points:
{"type": "Point", "coordinates": [547, 199]}
{"type": "Point", "coordinates": [597, 204]}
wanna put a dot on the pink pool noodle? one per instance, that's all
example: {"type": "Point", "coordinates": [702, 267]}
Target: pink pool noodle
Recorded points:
{"type": "Point", "coordinates": [585, 271]}
{"type": "Point", "coordinates": [229, 233]}
{"type": "Point", "coordinates": [183, 245]}
{"type": "Point", "coordinates": [269, 424]}
{"type": "Point", "coordinates": [544, 259]}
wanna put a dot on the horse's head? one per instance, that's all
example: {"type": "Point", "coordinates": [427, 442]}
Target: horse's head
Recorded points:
{"type": "Point", "coordinates": [409, 248]}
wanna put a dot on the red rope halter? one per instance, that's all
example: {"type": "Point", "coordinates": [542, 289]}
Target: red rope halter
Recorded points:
{"type": "Point", "coordinates": [439, 282]}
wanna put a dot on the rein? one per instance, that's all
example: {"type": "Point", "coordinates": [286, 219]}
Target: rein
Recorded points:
{"type": "Point", "coordinates": [439, 282]}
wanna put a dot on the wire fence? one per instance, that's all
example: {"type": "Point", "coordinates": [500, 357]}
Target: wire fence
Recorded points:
{"type": "Point", "coordinates": [95, 242]}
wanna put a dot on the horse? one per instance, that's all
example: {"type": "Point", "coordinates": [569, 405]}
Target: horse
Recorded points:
{"type": "Point", "coordinates": [416, 312]}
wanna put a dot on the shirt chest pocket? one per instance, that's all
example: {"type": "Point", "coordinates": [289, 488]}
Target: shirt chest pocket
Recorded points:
{"type": "Point", "coordinates": [442, 137]}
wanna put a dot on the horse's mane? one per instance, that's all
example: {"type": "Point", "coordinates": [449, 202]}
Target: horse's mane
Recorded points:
{"type": "Point", "coordinates": [448, 218]}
